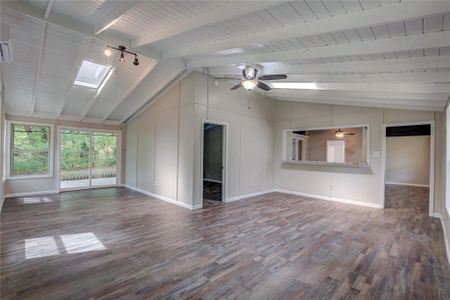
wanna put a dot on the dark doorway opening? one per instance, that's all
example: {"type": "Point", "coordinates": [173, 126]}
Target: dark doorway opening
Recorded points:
{"type": "Point", "coordinates": [213, 136]}
{"type": "Point", "coordinates": [407, 175]}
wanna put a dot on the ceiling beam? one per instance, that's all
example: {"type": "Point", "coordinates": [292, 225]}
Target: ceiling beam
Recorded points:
{"type": "Point", "coordinates": [93, 100]}
{"type": "Point", "coordinates": [426, 88]}
{"type": "Point", "coordinates": [107, 21]}
{"type": "Point", "coordinates": [404, 77]}
{"type": "Point", "coordinates": [374, 103]}
{"type": "Point", "coordinates": [37, 77]}
{"type": "Point", "coordinates": [373, 66]}
{"type": "Point", "coordinates": [82, 52]}
{"type": "Point", "coordinates": [228, 11]}
{"type": "Point", "coordinates": [375, 16]}
{"type": "Point", "coordinates": [410, 77]}
{"type": "Point", "coordinates": [49, 8]}
{"type": "Point", "coordinates": [422, 41]}
{"type": "Point", "coordinates": [62, 21]}
{"type": "Point", "coordinates": [359, 94]}
{"type": "Point", "coordinates": [144, 74]}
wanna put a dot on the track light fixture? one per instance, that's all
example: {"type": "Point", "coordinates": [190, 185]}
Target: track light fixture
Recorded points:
{"type": "Point", "coordinates": [108, 52]}
{"type": "Point", "coordinates": [122, 50]}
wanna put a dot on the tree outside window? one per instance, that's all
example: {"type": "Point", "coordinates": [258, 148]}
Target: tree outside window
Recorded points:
{"type": "Point", "coordinates": [30, 148]}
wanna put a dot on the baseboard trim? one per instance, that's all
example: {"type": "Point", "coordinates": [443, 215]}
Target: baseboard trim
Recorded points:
{"type": "Point", "coordinates": [164, 198]}
{"type": "Point", "coordinates": [340, 200]}
{"type": "Point", "coordinates": [30, 194]}
{"type": "Point", "coordinates": [447, 248]}
{"type": "Point", "coordinates": [245, 196]}
{"type": "Point", "coordinates": [407, 184]}
{"type": "Point", "coordinates": [346, 201]}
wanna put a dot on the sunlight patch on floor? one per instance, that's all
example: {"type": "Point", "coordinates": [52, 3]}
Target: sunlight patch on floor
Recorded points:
{"type": "Point", "coordinates": [64, 244]}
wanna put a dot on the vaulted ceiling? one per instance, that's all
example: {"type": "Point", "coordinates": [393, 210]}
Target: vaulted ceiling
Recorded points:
{"type": "Point", "coordinates": [369, 53]}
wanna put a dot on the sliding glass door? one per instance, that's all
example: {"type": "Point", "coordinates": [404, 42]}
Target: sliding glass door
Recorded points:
{"type": "Point", "coordinates": [103, 158]}
{"type": "Point", "coordinates": [88, 158]}
{"type": "Point", "coordinates": [74, 159]}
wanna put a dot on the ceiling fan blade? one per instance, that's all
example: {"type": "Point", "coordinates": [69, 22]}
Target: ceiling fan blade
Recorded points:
{"type": "Point", "coordinates": [349, 134]}
{"type": "Point", "coordinates": [263, 86]}
{"type": "Point", "coordinates": [236, 86]}
{"type": "Point", "coordinates": [273, 77]}
{"type": "Point", "coordinates": [227, 78]}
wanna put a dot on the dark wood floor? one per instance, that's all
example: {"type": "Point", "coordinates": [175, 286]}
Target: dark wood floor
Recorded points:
{"type": "Point", "coordinates": [212, 191]}
{"type": "Point", "coordinates": [398, 196]}
{"type": "Point", "coordinates": [119, 244]}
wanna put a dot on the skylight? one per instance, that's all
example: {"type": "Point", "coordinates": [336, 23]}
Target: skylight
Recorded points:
{"type": "Point", "coordinates": [92, 75]}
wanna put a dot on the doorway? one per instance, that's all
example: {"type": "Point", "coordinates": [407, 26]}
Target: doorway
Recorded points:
{"type": "Point", "coordinates": [87, 158]}
{"type": "Point", "coordinates": [213, 188]}
{"type": "Point", "coordinates": [409, 167]}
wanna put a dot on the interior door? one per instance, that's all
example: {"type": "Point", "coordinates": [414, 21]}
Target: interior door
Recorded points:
{"type": "Point", "coordinates": [336, 151]}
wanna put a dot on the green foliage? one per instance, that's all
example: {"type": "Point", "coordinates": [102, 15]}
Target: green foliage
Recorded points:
{"type": "Point", "coordinates": [104, 150]}
{"type": "Point", "coordinates": [75, 151]}
{"type": "Point", "coordinates": [30, 146]}
{"type": "Point", "coordinates": [30, 149]}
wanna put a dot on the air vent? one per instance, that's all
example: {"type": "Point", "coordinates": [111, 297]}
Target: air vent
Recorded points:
{"type": "Point", "coordinates": [5, 44]}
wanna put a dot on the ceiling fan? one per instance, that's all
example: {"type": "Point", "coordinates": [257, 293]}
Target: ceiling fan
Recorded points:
{"type": "Point", "coordinates": [340, 134]}
{"type": "Point", "coordinates": [250, 81]}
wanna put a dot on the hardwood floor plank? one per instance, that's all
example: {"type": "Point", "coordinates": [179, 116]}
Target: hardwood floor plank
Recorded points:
{"type": "Point", "coordinates": [119, 244]}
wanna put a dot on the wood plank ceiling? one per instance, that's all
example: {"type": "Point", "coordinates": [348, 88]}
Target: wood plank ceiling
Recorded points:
{"type": "Point", "coordinates": [370, 53]}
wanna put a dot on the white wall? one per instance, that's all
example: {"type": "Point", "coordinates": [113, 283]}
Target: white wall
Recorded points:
{"type": "Point", "coordinates": [441, 186]}
{"type": "Point", "coordinates": [160, 147]}
{"type": "Point", "coordinates": [164, 144]}
{"type": "Point", "coordinates": [447, 156]}
{"type": "Point", "coordinates": [2, 124]}
{"type": "Point", "coordinates": [44, 185]}
{"type": "Point", "coordinates": [250, 135]}
{"type": "Point", "coordinates": [361, 185]}
{"type": "Point", "coordinates": [408, 160]}
{"type": "Point", "coordinates": [356, 184]}
{"type": "Point", "coordinates": [152, 147]}
{"type": "Point", "coordinates": [164, 141]}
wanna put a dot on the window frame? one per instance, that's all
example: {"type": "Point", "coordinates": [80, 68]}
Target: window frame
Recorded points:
{"type": "Point", "coordinates": [447, 157]}
{"type": "Point", "coordinates": [8, 144]}
{"type": "Point", "coordinates": [90, 131]}
{"type": "Point", "coordinates": [94, 86]}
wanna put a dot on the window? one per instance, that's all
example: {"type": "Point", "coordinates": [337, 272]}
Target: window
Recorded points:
{"type": "Point", "coordinates": [92, 75]}
{"type": "Point", "coordinates": [30, 150]}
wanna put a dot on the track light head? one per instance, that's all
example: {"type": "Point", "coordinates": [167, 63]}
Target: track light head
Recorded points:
{"type": "Point", "coordinates": [122, 57]}
{"type": "Point", "coordinates": [108, 52]}
{"type": "Point", "coordinates": [136, 61]}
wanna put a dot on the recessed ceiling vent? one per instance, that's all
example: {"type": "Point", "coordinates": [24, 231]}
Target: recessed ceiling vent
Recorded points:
{"type": "Point", "coordinates": [5, 44]}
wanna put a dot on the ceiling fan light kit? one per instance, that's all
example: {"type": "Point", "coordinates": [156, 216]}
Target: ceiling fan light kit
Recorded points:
{"type": "Point", "coordinates": [123, 50]}
{"type": "Point", "coordinates": [249, 85]}
{"type": "Point", "coordinates": [340, 133]}
{"type": "Point", "coordinates": [250, 81]}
